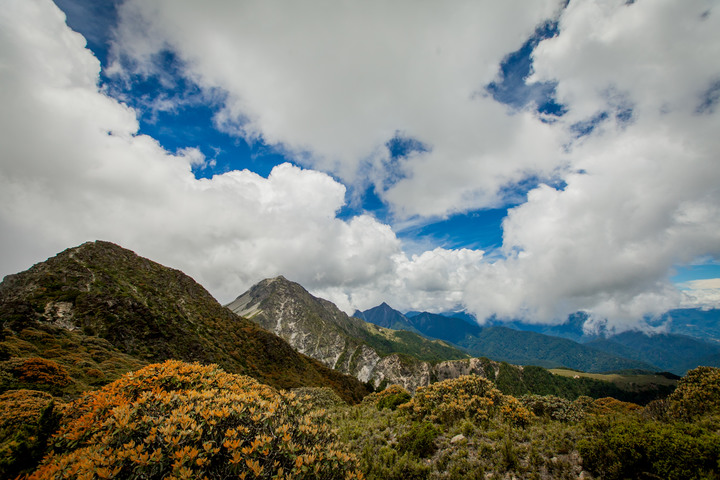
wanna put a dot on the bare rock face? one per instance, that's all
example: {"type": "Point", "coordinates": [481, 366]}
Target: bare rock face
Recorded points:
{"type": "Point", "coordinates": [472, 366]}
{"type": "Point", "coordinates": [317, 328]}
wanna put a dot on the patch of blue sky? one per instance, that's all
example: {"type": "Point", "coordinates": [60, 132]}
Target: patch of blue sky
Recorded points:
{"type": "Point", "coordinates": [479, 229]}
{"type": "Point", "coordinates": [512, 88]}
{"type": "Point", "coordinates": [699, 271]}
{"type": "Point", "coordinates": [709, 99]}
{"type": "Point", "coordinates": [95, 20]}
{"type": "Point", "coordinates": [170, 108]}
{"type": "Point", "coordinates": [367, 201]}
{"type": "Point", "coordinates": [586, 127]}
{"type": "Point", "coordinates": [516, 193]}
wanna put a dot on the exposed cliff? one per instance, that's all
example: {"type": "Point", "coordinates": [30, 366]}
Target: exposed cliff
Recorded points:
{"type": "Point", "coordinates": [320, 330]}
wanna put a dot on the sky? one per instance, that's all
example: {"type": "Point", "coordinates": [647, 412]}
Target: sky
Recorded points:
{"type": "Point", "coordinates": [525, 160]}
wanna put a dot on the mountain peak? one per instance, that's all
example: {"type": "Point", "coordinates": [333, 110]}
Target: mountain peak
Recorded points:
{"type": "Point", "coordinates": [152, 312]}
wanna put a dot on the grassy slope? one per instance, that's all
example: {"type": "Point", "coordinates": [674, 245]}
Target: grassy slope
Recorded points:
{"type": "Point", "coordinates": [154, 313]}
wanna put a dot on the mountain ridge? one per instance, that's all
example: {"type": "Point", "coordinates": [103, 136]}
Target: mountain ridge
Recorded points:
{"type": "Point", "coordinates": [152, 313]}
{"type": "Point", "coordinates": [516, 346]}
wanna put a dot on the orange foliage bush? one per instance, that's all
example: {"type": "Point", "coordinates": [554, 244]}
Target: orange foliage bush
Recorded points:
{"type": "Point", "coordinates": [609, 405]}
{"type": "Point", "coordinates": [514, 413]}
{"type": "Point", "coordinates": [21, 407]}
{"type": "Point", "coordinates": [180, 421]}
{"type": "Point", "coordinates": [27, 419]}
{"type": "Point", "coordinates": [40, 370]}
{"type": "Point", "coordinates": [467, 396]}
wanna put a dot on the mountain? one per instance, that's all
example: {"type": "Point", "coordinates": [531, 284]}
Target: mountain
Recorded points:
{"type": "Point", "coordinates": [382, 356]}
{"type": "Point", "coordinates": [516, 346]}
{"type": "Point", "coordinates": [694, 322]}
{"type": "Point", "coordinates": [139, 312]}
{"type": "Point", "coordinates": [450, 329]}
{"type": "Point", "coordinates": [317, 328]}
{"type": "Point", "coordinates": [385, 316]}
{"type": "Point", "coordinates": [572, 329]}
{"type": "Point", "coordinates": [671, 352]}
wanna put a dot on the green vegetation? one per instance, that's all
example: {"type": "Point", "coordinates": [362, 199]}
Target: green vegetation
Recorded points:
{"type": "Point", "coordinates": [138, 311]}
{"type": "Point", "coordinates": [179, 420]}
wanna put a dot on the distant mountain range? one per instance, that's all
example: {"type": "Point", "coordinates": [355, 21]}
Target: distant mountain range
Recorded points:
{"type": "Point", "coordinates": [382, 356]}
{"type": "Point", "coordinates": [506, 344]}
{"type": "Point", "coordinates": [568, 345]}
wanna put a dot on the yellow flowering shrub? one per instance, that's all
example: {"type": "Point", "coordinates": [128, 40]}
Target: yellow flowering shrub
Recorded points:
{"type": "Point", "coordinates": [514, 413]}
{"type": "Point", "coordinates": [697, 393]}
{"type": "Point", "coordinates": [187, 421]}
{"type": "Point", "coordinates": [445, 402]}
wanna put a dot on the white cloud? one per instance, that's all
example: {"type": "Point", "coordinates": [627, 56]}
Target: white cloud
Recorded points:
{"type": "Point", "coordinates": [333, 87]}
{"type": "Point", "coordinates": [704, 293]}
{"type": "Point", "coordinates": [646, 197]}
{"type": "Point", "coordinates": [332, 82]}
{"type": "Point", "coordinates": [73, 169]}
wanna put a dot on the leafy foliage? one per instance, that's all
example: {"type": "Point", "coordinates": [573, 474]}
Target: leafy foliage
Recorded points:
{"type": "Point", "coordinates": [391, 397]}
{"type": "Point", "coordinates": [179, 420]}
{"type": "Point", "coordinates": [446, 402]}
{"type": "Point", "coordinates": [419, 441]}
{"type": "Point", "coordinates": [27, 419]}
{"type": "Point", "coordinates": [89, 362]}
{"type": "Point", "coordinates": [698, 393]}
{"type": "Point", "coordinates": [554, 408]}
{"type": "Point", "coordinates": [514, 413]}
{"type": "Point", "coordinates": [627, 447]}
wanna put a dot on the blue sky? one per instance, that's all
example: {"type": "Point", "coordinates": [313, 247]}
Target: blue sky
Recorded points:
{"type": "Point", "coordinates": [513, 160]}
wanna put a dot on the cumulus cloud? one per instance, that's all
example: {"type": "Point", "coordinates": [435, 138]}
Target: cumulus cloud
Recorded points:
{"type": "Point", "coordinates": [75, 169]}
{"type": "Point", "coordinates": [331, 86]}
{"type": "Point", "coordinates": [704, 293]}
{"type": "Point", "coordinates": [333, 82]}
{"type": "Point", "coordinates": [642, 194]}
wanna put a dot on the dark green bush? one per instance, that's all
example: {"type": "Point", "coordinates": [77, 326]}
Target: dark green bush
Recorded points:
{"type": "Point", "coordinates": [391, 397]}
{"type": "Point", "coordinates": [419, 441]}
{"type": "Point", "coordinates": [625, 447]}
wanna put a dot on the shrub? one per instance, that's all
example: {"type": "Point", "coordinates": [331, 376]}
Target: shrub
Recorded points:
{"type": "Point", "coordinates": [451, 400]}
{"type": "Point", "coordinates": [609, 406]}
{"type": "Point", "coordinates": [41, 371]}
{"type": "Point", "coordinates": [552, 407]}
{"type": "Point", "coordinates": [179, 420]}
{"type": "Point", "coordinates": [319, 397]}
{"type": "Point", "coordinates": [697, 393]}
{"type": "Point", "coordinates": [391, 397]}
{"type": "Point", "coordinates": [27, 419]}
{"type": "Point", "coordinates": [514, 413]}
{"type": "Point", "coordinates": [419, 441]}
{"type": "Point", "coordinates": [627, 447]}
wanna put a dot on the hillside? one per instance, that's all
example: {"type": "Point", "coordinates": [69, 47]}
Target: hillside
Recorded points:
{"type": "Point", "coordinates": [102, 293]}
{"type": "Point", "coordinates": [319, 329]}
{"type": "Point", "coordinates": [515, 346]}
{"type": "Point", "coordinates": [671, 352]}
{"type": "Point", "coordinates": [383, 356]}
